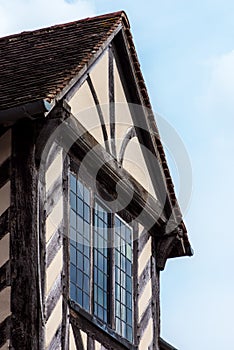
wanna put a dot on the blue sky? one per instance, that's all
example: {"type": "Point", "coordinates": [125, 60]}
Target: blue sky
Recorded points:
{"type": "Point", "coordinates": [186, 50]}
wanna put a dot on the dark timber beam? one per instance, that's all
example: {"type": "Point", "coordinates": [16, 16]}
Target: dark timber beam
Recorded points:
{"type": "Point", "coordinates": [23, 227]}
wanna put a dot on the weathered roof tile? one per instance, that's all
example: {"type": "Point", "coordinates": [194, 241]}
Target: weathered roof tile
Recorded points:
{"type": "Point", "coordinates": [38, 64]}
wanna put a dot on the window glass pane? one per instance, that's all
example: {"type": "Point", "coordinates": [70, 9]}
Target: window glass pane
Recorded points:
{"type": "Point", "coordinates": [73, 201]}
{"type": "Point", "coordinates": [129, 300]}
{"type": "Point", "coordinates": [73, 183]}
{"type": "Point", "coordinates": [73, 272]}
{"type": "Point", "coordinates": [86, 196]}
{"type": "Point", "coordinates": [100, 262]}
{"type": "Point", "coordinates": [73, 255]}
{"type": "Point", "coordinates": [86, 301]}
{"type": "Point", "coordinates": [73, 291]}
{"type": "Point", "coordinates": [79, 296]}
{"type": "Point", "coordinates": [73, 236]}
{"type": "Point", "coordinates": [118, 325]}
{"type": "Point", "coordinates": [123, 279]}
{"type": "Point", "coordinates": [73, 219]}
{"type": "Point", "coordinates": [129, 333]}
{"type": "Point", "coordinates": [80, 208]}
{"type": "Point", "coordinates": [80, 190]}
{"type": "Point", "coordinates": [79, 243]}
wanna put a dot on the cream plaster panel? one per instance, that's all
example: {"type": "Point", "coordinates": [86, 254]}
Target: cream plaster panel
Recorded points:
{"type": "Point", "coordinates": [5, 303]}
{"type": "Point", "coordinates": [5, 197]}
{"type": "Point", "coordinates": [135, 164]}
{"type": "Point", "coordinates": [144, 257]}
{"type": "Point", "coordinates": [123, 121]}
{"type": "Point", "coordinates": [119, 91]}
{"type": "Point", "coordinates": [54, 219]}
{"type": "Point", "coordinates": [123, 116]}
{"type": "Point", "coordinates": [144, 299]}
{"type": "Point", "coordinates": [84, 109]}
{"type": "Point", "coordinates": [98, 345]}
{"type": "Point", "coordinates": [54, 270]}
{"type": "Point", "coordinates": [4, 249]}
{"type": "Point", "coordinates": [100, 80]}
{"type": "Point", "coordinates": [6, 345]}
{"type": "Point", "coordinates": [141, 229]}
{"type": "Point", "coordinates": [147, 338]}
{"type": "Point", "coordinates": [5, 146]}
{"type": "Point", "coordinates": [54, 171]}
{"type": "Point", "coordinates": [72, 343]}
{"type": "Point", "coordinates": [54, 321]}
{"type": "Point", "coordinates": [99, 77]}
{"type": "Point", "coordinates": [84, 339]}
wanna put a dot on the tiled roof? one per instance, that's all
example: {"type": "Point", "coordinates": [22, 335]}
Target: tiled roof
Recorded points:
{"type": "Point", "coordinates": [38, 64]}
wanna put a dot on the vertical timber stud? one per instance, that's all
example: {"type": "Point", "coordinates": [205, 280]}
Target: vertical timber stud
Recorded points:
{"type": "Point", "coordinates": [25, 313]}
{"type": "Point", "coordinates": [66, 255]}
{"type": "Point", "coordinates": [135, 282]}
{"type": "Point", "coordinates": [112, 102]}
{"type": "Point", "coordinates": [156, 294]}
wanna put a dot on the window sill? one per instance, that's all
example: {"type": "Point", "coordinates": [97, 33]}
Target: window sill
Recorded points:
{"type": "Point", "coordinates": [89, 323]}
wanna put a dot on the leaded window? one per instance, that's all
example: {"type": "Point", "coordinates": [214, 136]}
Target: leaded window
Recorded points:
{"type": "Point", "coordinates": [123, 279]}
{"type": "Point", "coordinates": [100, 263]}
{"type": "Point", "coordinates": [101, 257]}
{"type": "Point", "coordinates": [80, 243]}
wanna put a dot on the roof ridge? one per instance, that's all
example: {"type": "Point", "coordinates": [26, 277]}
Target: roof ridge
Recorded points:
{"type": "Point", "coordinates": [121, 15]}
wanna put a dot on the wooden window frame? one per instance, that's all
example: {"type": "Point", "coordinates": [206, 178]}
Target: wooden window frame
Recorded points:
{"type": "Point", "coordinates": [126, 217]}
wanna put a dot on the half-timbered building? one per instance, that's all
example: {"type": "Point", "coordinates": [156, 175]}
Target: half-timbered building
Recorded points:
{"type": "Point", "coordinates": [88, 212]}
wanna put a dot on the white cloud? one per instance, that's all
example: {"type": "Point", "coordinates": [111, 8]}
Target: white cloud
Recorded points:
{"type": "Point", "coordinates": [20, 15]}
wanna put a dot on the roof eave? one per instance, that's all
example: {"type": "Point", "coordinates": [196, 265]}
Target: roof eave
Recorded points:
{"type": "Point", "coordinates": [28, 110]}
{"type": "Point", "coordinates": [165, 345]}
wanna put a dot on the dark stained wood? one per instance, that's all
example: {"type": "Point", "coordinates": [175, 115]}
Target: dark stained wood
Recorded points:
{"type": "Point", "coordinates": [56, 341]}
{"type": "Point", "coordinates": [163, 345]}
{"type": "Point", "coordinates": [130, 133]}
{"type": "Point", "coordinates": [155, 277]}
{"type": "Point", "coordinates": [108, 338]}
{"type": "Point", "coordinates": [53, 195]}
{"type": "Point", "coordinates": [5, 275]}
{"type": "Point", "coordinates": [54, 245]}
{"type": "Point", "coordinates": [144, 277]}
{"type": "Point", "coordinates": [90, 343]}
{"type": "Point", "coordinates": [41, 244]}
{"type": "Point", "coordinates": [111, 271]}
{"type": "Point", "coordinates": [5, 330]}
{"type": "Point", "coordinates": [66, 255]}
{"type": "Point", "coordinates": [78, 339]}
{"type": "Point", "coordinates": [4, 223]}
{"type": "Point", "coordinates": [44, 143]}
{"type": "Point", "coordinates": [53, 297]}
{"type": "Point", "coordinates": [164, 247]}
{"type": "Point", "coordinates": [135, 282]}
{"type": "Point", "coordinates": [5, 172]}
{"type": "Point", "coordinates": [23, 228]}
{"type": "Point", "coordinates": [112, 102]}
{"type": "Point", "coordinates": [144, 321]}
{"type": "Point", "coordinates": [143, 239]}
{"type": "Point", "coordinates": [3, 129]}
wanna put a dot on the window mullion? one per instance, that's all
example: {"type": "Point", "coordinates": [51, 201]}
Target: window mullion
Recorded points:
{"type": "Point", "coordinates": [92, 213]}
{"type": "Point", "coordinates": [112, 272]}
